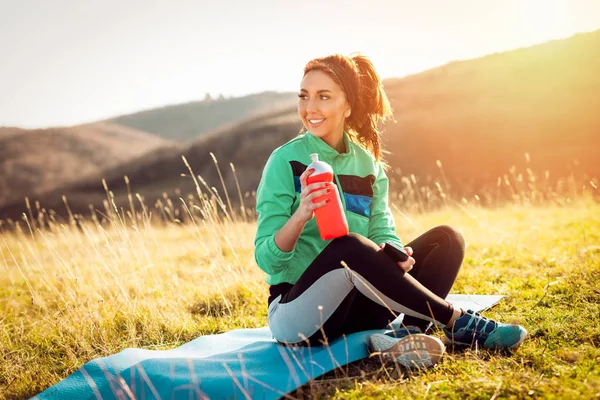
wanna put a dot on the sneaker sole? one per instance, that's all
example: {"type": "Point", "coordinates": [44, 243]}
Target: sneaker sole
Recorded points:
{"type": "Point", "coordinates": [416, 351]}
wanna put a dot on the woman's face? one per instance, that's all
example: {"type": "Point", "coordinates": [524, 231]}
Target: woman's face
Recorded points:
{"type": "Point", "coordinates": [323, 107]}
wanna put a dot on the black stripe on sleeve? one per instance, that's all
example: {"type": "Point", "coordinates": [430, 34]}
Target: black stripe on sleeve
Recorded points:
{"type": "Point", "coordinates": [352, 184]}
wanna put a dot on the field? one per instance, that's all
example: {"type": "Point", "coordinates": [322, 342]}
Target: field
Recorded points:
{"type": "Point", "coordinates": [83, 290]}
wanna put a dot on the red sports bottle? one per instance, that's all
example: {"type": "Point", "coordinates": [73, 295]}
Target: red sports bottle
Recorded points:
{"type": "Point", "coordinates": [331, 219]}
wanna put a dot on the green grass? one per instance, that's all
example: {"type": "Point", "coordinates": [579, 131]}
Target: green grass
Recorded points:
{"type": "Point", "coordinates": [72, 295]}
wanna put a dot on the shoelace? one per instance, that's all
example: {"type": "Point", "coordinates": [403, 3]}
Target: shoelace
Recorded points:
{"type": "Point", "coordinates": [475, 327]}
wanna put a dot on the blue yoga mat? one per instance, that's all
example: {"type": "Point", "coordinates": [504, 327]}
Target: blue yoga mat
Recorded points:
{"type": "Point", "coordinates": [243, 363]}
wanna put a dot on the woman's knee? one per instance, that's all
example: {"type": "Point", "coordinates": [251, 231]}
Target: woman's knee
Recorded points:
{"type": "Point", "coordinates": [351, 241]}
{"type": "Point", "coordinates": [454, 237]}
{"type": "Point", "coordinates": [352, 246]}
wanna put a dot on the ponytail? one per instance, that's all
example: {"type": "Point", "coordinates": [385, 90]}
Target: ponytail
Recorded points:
{"type": "Point", "coordinates": [372, 106]}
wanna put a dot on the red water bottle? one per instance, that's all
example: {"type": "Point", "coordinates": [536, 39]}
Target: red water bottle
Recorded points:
{"type": "Point", "coordinates": [331, 219]}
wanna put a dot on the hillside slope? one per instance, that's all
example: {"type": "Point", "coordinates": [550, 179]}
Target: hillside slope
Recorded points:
{"type": "Point", "coordinates": [186, 122]}
{"type": "Point", "coordinates": [477, 118]}
{"type": "Point", "coordinates": [480, 117]}
{"type": "Point", "coordinates": [35, 161]}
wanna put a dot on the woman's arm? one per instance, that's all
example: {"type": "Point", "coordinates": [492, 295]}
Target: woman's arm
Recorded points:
{"type": "Point", "coordinates": [287, 237]}
{"type": "Point", "coordinates": [278, 230]}
{"type": "Point", "coordinates": [381, 223]}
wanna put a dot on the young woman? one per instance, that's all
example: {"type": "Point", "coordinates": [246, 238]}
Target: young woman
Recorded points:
{"type": "Point", "coordinates": [313, 296]}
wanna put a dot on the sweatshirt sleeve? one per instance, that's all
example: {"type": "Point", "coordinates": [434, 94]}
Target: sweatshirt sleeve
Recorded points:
{"type": "Point", "coordinates": [381, 224]}
{"type": "Point", "coordinates": [274, 198]}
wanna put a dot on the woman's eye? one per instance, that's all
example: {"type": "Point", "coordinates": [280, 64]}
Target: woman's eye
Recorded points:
{"type": "Point", "coordinates": [305, 97]}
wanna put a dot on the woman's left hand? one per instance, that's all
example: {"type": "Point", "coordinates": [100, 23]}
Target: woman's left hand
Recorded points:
{"type": "Point", "coordinates": [408, 264]}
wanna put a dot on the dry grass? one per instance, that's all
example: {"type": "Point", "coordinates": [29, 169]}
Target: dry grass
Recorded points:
{"type": "Point", "coordinates": [78, 293]}
{"type": "Point", "coordinates": [86, 288]}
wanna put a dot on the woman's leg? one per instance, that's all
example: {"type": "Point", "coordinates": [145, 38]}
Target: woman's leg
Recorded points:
{"type": "Point", "coordinates": [439, 254]}
{"type": "Point", "coordinates": [320, 303]}
{"type": "Point", "coordinates": [365, 314]}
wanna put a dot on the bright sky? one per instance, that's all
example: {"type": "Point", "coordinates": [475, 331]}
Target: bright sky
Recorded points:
{"type": "Point", "coordinates": [64, 62]}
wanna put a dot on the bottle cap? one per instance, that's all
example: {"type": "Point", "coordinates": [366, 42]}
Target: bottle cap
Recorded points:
{"type": "Point", "coordinates": [320, 167]}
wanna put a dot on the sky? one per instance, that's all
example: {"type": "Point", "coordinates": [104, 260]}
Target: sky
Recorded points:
{"type": "Point", "coordinates": [66, 62]}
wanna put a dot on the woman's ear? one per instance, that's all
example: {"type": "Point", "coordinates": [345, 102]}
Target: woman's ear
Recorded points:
{"type": "Point", "coordinates": [347, 113]}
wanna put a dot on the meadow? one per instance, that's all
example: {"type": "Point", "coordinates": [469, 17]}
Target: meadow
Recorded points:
{"type": "Point", "coordinates": [79, 289]}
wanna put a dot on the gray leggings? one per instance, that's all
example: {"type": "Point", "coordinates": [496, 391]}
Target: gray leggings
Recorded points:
{"type": "Point", "coordinates": [330, 300]}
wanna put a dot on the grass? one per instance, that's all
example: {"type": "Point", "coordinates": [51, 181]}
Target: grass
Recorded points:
{"type": "Point", "coordinates": [74, 294]}
{"type": "Point", "coordinates": [547, 259]}
{"type": "Point", "coordinates": [74, 291]}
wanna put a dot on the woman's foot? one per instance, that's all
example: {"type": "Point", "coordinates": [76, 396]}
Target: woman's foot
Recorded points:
{"type": "Point", "coordinates": [410, 351]}
{"type": "Point", "coordinates": [472, 327]}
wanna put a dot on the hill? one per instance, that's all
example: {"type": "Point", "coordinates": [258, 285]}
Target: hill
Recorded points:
{"type": "Point", "coordinates": [476, 118]}
{"type": "Point", "coordinates": [35, 161]}
{"type": "Point", "coordinates": [479, 117]}
{"type": "Point", "coordinates": [186, 122]}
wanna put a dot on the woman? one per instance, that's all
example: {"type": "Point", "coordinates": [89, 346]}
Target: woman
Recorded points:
{"type": "Point", "coordinates": [314, 297]}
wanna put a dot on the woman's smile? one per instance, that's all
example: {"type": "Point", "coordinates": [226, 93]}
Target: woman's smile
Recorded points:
{"type": "Point", "coordinates": [315, 123]}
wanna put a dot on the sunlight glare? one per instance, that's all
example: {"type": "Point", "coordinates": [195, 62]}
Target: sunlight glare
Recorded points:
{"type": "Point", "coordinates": [543, 20]}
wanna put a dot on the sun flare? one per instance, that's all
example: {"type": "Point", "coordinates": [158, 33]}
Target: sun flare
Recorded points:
{"type": "Point", "coordinates": [542, 20]}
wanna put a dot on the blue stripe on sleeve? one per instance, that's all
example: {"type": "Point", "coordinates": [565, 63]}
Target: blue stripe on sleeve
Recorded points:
{"type": "Point", "coordinates": [358, 204]}
{"type": "Point", "coordinates": [297, 184]}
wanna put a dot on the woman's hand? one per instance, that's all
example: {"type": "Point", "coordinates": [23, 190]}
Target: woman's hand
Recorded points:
{"type": "Point", "coordinates": [306, 209]}
{"type": "Point", "coordinates": [408, 264]}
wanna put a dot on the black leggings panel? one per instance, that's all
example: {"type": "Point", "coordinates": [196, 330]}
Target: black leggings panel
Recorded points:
{"type": "Point", "coordinates": [331, 299]}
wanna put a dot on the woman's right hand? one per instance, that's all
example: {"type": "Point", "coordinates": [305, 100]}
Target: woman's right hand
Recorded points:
{"type": "Point", "coordinates": [306, 209]}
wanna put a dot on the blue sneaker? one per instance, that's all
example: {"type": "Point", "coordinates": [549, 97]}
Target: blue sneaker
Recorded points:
{"type": "Point", "coordinates": [472, 327]}
{"type": "Point", "coordinates": [411, 351]}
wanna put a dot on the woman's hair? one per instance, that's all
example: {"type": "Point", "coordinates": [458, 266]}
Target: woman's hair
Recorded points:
{"type": "Point", "coordinates": [359, 80]}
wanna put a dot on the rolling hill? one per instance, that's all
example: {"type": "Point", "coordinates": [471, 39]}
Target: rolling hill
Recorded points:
{"type": "Point", "coordinates": [186, 122]}
{"type": "Point", "coordinates": [477, 118]}
{"type": "Point", "coordinates": [38, 160]}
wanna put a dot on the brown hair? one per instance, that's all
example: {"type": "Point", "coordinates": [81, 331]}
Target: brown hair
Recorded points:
{"type": "Point", "coordinates": [359, 80]}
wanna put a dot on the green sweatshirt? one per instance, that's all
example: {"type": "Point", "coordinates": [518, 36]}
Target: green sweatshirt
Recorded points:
{"type": "Point", "coordinates": [363, 186]}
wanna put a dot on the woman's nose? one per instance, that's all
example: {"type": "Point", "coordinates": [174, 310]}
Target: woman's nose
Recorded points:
{"type": "Point", "coordinates": [311, 106]}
